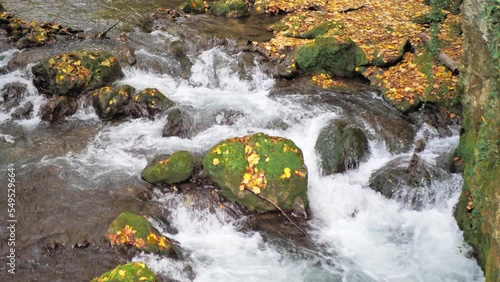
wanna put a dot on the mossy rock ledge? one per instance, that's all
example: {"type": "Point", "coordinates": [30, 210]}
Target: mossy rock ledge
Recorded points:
{"type": "Point", "coordinates": [71, 74]}
{"type": "Point", "coordinates": [135, 231]}
{"type": "Point", "coordinates": [272, 167]}
{"type": "Point", "coordinates": [340, 57]}
{"type": "Point", "coordinates": [171, 169]}
{"type": "Point", "coordinates": [230, 8]}
{"type": "Point", "coordinates": [194, 6]}
{"type": "Point", "coordinates": [130, 272]}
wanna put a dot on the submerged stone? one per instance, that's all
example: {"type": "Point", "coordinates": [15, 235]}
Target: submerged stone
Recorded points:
{"type": "Point", "coordinates": [171, 169]}
{"type": "Point", "coordinates": [259, 165]}
{"type": "Point", "coordinates": [71, 74]}
{"type": "Point", "coordinates": [130, 272]}
{"type": "Point", "coordinates": [135, 231]}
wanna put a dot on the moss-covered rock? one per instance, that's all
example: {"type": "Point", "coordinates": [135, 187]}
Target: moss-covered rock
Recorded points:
{"type": "Point", "coordinates": [110, 102]}
{"type": "Point", "coordinates": [130, 272]}
{"type": "Point", "coordinates": [194, 6]}
{"type": "Point", "coordinates": [230, 8]}
{"type": "Point", "coordinates": [337, 56]}
{"type": "Point", "coordinates": [321, 29]}
{"type": "Point", "coordinates": [402, 105]}
{"type": "Point", "coordinates": [135, 231]}
{"type": "Point", "coordinates": [380, 59]}
{"type": "Point", "coordinates": [272, 167]}
{"type": "Point", "coordinates": [169, 169]}
{"type": "Point", "coordinates": [149, 102]}
{"type": "Point", "coordinates": [76, 72]}
{"type": "Point", "coordinates": [478, 209]}
{"type": "Point", "coordinates": [341, 146]}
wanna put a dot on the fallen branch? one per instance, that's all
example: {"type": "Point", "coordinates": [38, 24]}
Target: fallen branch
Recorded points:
{"type": "Point", "coordinates": [103, 34]}
{"type": "Point", "coordinates": [352, 9]}
{"type": "Point", "coordinates": [274, 204]}
{"type": "Point", "coordinates": [440, 55]}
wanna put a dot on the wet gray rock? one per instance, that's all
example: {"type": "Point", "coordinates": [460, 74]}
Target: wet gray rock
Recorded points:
{"type": "Point", "coordinates": [58, 108]}
{"type": "Point", "coordinates": [227, 117]}
{"type": "Point", "coordinates": [23, 112]}
{"type": "Point", "coordinates": [341, 146]}
{"type": "Point", "coordinates": [179, 123]}
{"type": "Point", "coordinates": [12, 94]}
{"type": "Point", "coordinates": [408, 181]}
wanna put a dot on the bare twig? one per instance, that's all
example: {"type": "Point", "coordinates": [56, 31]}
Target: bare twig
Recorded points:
{"type": "Point", "coordinates": [103, 34]}
{"type": "Point", "coordinates": [274, 204]}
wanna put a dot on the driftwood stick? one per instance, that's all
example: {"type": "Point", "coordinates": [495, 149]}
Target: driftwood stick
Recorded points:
{"type": "Point", "coordinates": [103, 34]}
{"type": "Point", "coordinates": [440, 56]}
{"type": "Point", "coordinates": [352, 9]}
{"type": "Point", "coordinates": [274, 204]}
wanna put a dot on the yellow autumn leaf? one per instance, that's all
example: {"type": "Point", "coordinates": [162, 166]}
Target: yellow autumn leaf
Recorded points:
{"type": "Point", "coordinates": [121, 272]}
{"type": "Point", "coordinates": [216, 161]}
{"type": "Point", "coordinates": [106, 63]}
{"type": "Point", "coordinates": [51, 61]}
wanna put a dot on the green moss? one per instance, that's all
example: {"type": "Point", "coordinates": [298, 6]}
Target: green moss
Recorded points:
{"type": "Point", "coordinates": [177, 168]}
{"type": "Point", "coordinates": [130, 272]}
{"type": "Point", "coordinates": [141, 234]}
{"type": "Point", "coordinates": [228, 162]}
{"type": "Point", "coordinates": [194, 6]}
{"type": "Point", "coordinates": [339, 57]}
{"type": "Point", "coordinates": [109, 101]}
{"type": "Point", "coordinates": [322, 29]}
{"type": "Point", "coordinates": [76, 72]}
{"type": "Point", "coordinates": [153, 100]}
{"type": "Point", "coordinates": [230, 8]}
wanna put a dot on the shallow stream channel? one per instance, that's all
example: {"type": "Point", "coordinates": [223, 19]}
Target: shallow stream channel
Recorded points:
{"type": "Point", "coordinates": [74, 177]}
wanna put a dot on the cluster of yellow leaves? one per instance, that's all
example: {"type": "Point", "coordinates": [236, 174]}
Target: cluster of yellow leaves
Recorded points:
{"type": "Point", "coordinates": [68, 67]}
{"type": "Point", "coordinates": [407, 82]}
{"type": "Point", "coordinates": [161, 241]}
{"type": "Point", "coordinates": [325, 80]}
{"type": "Point", "coordinates": [112, 275]}
{"type": "Point", "coordinates": [164, 162]}
{"type": "Point", "coordinates": [380, 28]}
{"type": "Point", "coordinates": [126, 236]}
{"type": "Point", "coordinates": [253, 179]}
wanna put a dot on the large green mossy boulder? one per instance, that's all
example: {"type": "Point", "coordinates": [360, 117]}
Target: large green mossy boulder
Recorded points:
{"type": "Point", "coordinates": [130, 272]}
{"type": "Point", "coordinates": [110, 102]}
{"type": "Point", "coordinates": [230, 8]}
{"type": "Point", "coordinates": [169, 169]}
{"type": "Point", "coordinates": [272, 167]}
{"type": "Point", "coordinates": [76, 72]}
{"type": "Point", "coordinates": [327, 54]}
{"type": "Point", "coordinates": [341, 146]}
{"type": "Point", "coordinates": [135, 231]}
{"type": "Point", "coordinates": [194, 6]}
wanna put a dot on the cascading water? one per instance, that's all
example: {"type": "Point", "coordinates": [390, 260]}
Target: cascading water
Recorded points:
{"type": "Point", "coordinates": [358, 234]}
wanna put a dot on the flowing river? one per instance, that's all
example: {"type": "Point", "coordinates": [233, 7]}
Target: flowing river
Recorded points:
{"type": "Point", "coordinates": [77, 176]}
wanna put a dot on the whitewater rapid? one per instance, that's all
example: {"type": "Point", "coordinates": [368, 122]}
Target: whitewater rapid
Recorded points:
{"type": "Point", "coordinates": [361, 236]}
